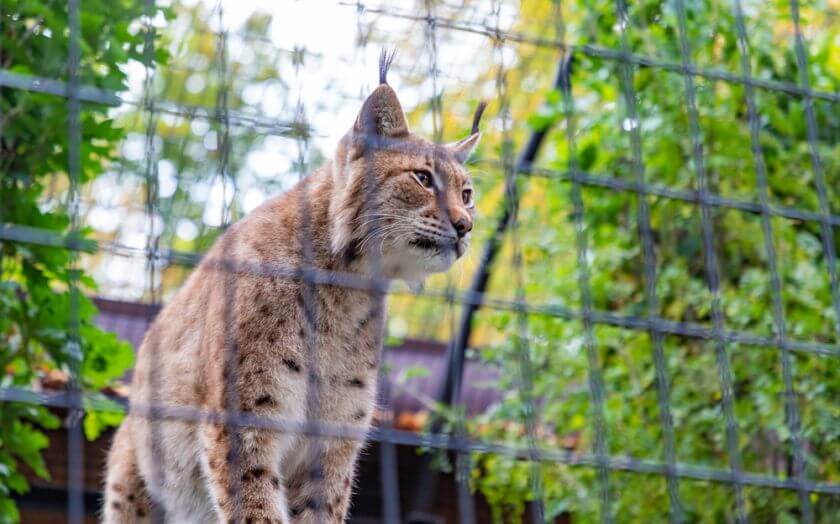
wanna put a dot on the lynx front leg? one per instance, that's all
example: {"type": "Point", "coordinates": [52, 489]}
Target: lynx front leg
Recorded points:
{"type": "Point", "coordinates": [322, 494]}
{"type": "Point", "coordinates": [244, 476]}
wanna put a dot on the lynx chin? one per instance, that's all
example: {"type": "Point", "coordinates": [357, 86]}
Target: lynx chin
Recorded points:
{"type": "Point", "coordinates": [251, 334]}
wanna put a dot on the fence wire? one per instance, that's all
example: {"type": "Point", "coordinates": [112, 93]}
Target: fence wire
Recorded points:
{"type": "Point", "coordinates": [75, 440]}
{"type": "Point", "coordinates": [224, 119]}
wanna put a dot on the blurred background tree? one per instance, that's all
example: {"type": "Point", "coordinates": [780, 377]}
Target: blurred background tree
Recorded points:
{"type": "Point", "coordinates": [221, 101]}
{"type": "Point", "coordinates": [615, 265]}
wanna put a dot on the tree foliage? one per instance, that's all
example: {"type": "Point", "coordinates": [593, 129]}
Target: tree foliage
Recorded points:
{"type": "Point", "coordinates": [37, 281]}
{"type": "Point", "coordinates": [201, 163]}
{"type": "Point", "coordinates": [614, 260]}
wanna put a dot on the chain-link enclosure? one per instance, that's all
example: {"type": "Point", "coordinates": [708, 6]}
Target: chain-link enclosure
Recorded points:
{"type": "Point", "coordinates": [608, 254]}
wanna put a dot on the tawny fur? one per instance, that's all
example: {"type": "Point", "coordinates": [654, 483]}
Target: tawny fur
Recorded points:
{"type": "Point", "coordinates": [246, 334]}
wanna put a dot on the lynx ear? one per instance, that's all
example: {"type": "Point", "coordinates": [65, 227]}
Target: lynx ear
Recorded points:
{"type": "Point", "coordinates": [382, 113]}
{"type": "Point", "coordinates": [462, 149]}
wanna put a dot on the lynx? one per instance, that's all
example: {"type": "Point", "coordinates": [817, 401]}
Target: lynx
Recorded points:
{"type": "Point", "coordinates": [260, 331]}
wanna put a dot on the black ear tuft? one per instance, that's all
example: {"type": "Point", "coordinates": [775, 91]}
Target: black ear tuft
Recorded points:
{"type": "Point", "coordinates": [385, 60]}
{"type": "Point", "coordinates": [477, 116]}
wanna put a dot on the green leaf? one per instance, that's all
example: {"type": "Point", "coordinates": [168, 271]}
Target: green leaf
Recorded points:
{"type": "Point", "coordinates": [413, 372]}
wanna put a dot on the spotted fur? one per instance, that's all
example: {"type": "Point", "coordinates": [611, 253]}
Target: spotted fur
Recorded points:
{"type": "Point", "coordinates": [246, 334]}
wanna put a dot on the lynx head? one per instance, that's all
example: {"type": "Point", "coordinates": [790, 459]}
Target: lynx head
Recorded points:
{"type": "Point", "coordinates": [402, 203]}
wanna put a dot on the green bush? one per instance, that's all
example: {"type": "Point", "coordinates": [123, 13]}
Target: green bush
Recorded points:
{"type": "Point", "coordinates": [614, 262]}
{"type": "Point", "coordinates": [40, 283]}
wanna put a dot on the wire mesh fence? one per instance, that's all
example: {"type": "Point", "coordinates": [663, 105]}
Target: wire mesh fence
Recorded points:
{"type": "Point", "coordinates": [229, 123]}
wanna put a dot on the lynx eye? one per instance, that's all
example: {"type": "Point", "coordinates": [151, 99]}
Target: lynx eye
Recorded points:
{"type": "Point", "coordinates": [424, 177]}
{"type": "Point", "coordinates": [467, 197]}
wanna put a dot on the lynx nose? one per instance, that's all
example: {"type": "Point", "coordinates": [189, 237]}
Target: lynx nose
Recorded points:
{"type": "Point", "coordinates": [462, 226]}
